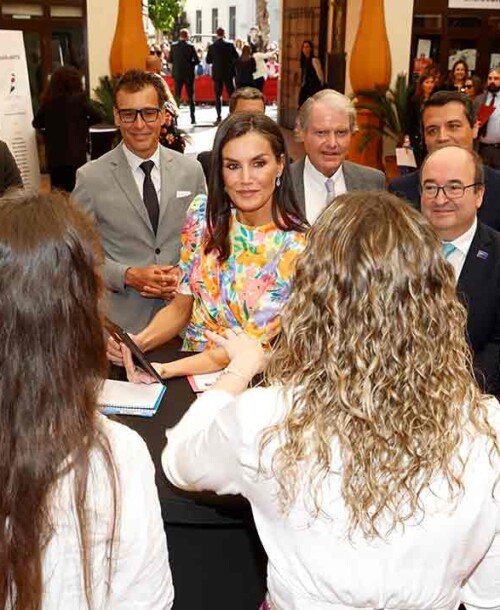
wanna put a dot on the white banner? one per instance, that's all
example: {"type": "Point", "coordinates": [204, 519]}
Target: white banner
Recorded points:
{"type": "Point", "coordinates": [474, 4]}
{"type": "Point", "coordinates": [16, 111]}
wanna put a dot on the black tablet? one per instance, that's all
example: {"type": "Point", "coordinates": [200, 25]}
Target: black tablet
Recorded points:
{"type": "Point", "coordinates": [137, 354]}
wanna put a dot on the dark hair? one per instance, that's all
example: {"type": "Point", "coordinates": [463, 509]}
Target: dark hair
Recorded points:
{"type": "Point", "coordinates": [220, 32]}
{"type": "Point", "coordinates": [477, 84]}
{"type": "Point", "coordinates": [53, 359]}
{"type": "Point", "coordinates": [426, 74]}
{"type": "Point", "coordinates": [285, 210]}
{"type": "Point", "coordinates": [245, 93]}
{"type": "Point", "coordinates": [303, 58]}
{"type": "Point", "coordinates": [246, 52]}
{"type": "Point", "coordinates": [451, 78]}
{"type": "Point", "coordinates": [441, 98]}
{"type": "Point", "coordinates": [137, 80]}
{"type": "Point", "coordinates": [65, 80]}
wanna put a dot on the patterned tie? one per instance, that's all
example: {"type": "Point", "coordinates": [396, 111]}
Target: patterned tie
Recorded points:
{"type": "Point", "coordinates": [448, 248]}
{"type": "Point", "coordinates": [149, 194]}
{"type": "Point", "coordinates": [330, 190]}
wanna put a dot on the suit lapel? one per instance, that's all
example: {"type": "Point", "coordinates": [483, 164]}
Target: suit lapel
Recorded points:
{"type": "Point", "coordinates": [125, 181]}
{"type": "Point", "coordinates": [349, 171]}
{"type": "Point", "coordinates": [477, 263]}
{"type": "Point", "coordinates": [298, 183]}
{"type": "Point", "coordinates": [168, 194]}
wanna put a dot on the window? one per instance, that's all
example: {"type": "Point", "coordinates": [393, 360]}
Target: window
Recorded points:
{"type": "Point", "coordinates": [215, 19]}
{"type": "Point", "coordinates": [198, 22]}
{"type": "Point", "coordinates": [232, 22]}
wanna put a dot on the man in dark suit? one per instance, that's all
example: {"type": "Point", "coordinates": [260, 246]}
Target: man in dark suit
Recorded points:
{"type": "Point", "coordinates": [452, 193]}
{"type": "Point", "coordinates": [327, 121]}
{"type": "Point", "coordinates": [9, 172]}
{"type": "Point", "coordinates": [489, 132]}
{"type": "Point", "coordinates": [222, 55]}
{"type": "Point", "coordinates": [447, 118]}
{"type": "Point", "coordinates": [184, 58]}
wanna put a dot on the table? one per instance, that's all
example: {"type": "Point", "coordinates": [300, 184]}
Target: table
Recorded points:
{"type": "Point", "coordinates": [216, 557]}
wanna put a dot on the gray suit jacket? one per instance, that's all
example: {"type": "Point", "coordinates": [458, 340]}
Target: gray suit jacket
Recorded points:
{"type": "Point", "coordinates": [106, 189]}
{"type": "Point", "coordinates": [357, 178]}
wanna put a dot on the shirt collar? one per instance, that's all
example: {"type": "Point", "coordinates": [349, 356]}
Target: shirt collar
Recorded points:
{"type": "Point", "coordinates": [463, 242]}
{"type": "Point", "coordinates": [320, 178]}
{"type": "Point", "coordinates": [134, 161]}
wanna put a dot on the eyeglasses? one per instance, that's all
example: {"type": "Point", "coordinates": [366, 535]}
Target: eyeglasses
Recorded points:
{"type": "Point", "coordinates": [451, 190]}
{"type": "Point", "coordinates": [148, 115]}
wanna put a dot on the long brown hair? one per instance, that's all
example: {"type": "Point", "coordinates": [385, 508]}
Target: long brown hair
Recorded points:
{"type": "Point", "coordinates": [374, 346]}
{"type": "Point", "coordinates": [52, 360]}
{"type": "Point", "coordinates": [64, 81]}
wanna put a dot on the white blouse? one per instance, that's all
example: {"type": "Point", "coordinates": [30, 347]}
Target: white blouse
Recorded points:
{"type": "Point", "coordinates": [141, 579]}
{"type": "Point", "coordinates": [447, 557]}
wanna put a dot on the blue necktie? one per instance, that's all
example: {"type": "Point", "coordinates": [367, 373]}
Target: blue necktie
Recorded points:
{"type": "Point", "coordinates": [448, 248]}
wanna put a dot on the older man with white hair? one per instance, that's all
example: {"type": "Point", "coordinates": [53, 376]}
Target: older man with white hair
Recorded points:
{"type": "Point", "coordinates": [327, 121]}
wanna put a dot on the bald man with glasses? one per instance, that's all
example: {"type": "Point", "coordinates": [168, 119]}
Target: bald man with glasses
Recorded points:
{"type": "Point", "coordinates": [452, 190]}
{"type": "Point", "coordinates": [138, 195]}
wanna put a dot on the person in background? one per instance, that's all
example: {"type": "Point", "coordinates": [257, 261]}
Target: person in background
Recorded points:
{"type": "Point", "coordinates": [10, 176]}
{"type": "Point", "coordinates": [222, 55]}
{"type": "Point", "coordinates": [238, 45]}
{"type": "Point", "coordinates": [81, 520]}
{"type": "Point", "coordinates": [260, 73]}
{"type": "Point", "coordinates": [246, 99]}
{"type": "Point", "coordinates": [458, 76]}
{"type": "Point", "coordinates": [371, 445]}
{"type": "Point", "coordinates": [184, 60]}
{"type": "Point", "coordinates": [239, 248]}
{"type": "Point", "coordinates": [473, 87]}
{"type": "Point", "coordinates": [424, 89]}
{"type": "Point", "coordinates": [153, 66]}
{"type": "Point", "coordinates": [244, 68]}
{"type": "Point", "coordinates": [311, 72]}
{"type": "Point", "coordinates": [327, 121]}
{"type": "Point", "coordinates": [65, 115]}
{"type": "Point", "coordinates": [272, 67]}
{"type": "Point", "coordinates": [489, 131]}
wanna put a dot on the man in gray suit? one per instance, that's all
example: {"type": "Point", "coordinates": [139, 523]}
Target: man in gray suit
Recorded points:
{"type": "Point", "coordinates": [139, 194]}
{"type": "Point", "coordinates": [327, 121]}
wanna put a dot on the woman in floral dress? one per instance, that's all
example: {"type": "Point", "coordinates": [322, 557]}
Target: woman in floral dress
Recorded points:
{"type": "Point", "coordinates": [238, 249]}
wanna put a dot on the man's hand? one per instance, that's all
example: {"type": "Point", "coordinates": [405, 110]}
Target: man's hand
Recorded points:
{"type": "Point", "coordinates": [154, 281]}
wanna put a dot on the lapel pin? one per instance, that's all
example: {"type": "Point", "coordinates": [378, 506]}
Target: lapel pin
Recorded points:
{"type": "Point", "coordinates": [482, 254]}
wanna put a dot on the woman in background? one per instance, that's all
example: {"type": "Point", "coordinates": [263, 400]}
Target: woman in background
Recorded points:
{"type": "Point", "coordinates": [458, 75]}
{"type": "Point", "coordinates": [371, 461]}
{"type": "Point", "coordinates": [311, 77]}
{"type": "Point", "coordinates": [244, 68]}
{"type": "Point", "coordinates": [65, 114]}
{"type": "Point", "coordinates": [81, 524]}
{"type": "Point", "coordinates": [238, 250]}
{"type": "Point", "coordinates": [473, 87]}
{"type": "Point", "coordinates": [423, 91]}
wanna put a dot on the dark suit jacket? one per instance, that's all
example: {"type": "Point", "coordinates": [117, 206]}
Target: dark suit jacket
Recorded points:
{"type": "Point", "coordinates": [479, 289]}
{"type": "Point", "coordinates": [222, 55]}
{"type": "Point", "coordinates": [184, 58]}
{"type": "Point", "coordinates": [66, 121]}
{"type": "Point", "coordinates": [9, 172]}
{"type": "Point", "coordinates": [357, 178]}
{"type": "Point", "coordinates": [205, 160]}
{"type": "Point", "coordinates": [407, 187]}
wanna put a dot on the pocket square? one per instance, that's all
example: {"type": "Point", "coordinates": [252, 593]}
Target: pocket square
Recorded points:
{"type": "Point", "coordinates": [183, 193]}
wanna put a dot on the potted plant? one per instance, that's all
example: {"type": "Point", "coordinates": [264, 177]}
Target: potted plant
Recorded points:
{"type": "Point", "coordinates": [104, 136]}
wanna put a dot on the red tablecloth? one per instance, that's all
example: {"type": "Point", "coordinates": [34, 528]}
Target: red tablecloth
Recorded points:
{"type": "Point", "coordinates": [204, 90]}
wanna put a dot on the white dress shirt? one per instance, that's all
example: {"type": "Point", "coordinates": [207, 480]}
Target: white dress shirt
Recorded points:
{"type": "Point", "coordinates": [436, 561]}
{"type": "Point", "coordinates": [141, 579]}
{"type": "Point", "coordinates": [462, 245]}
{"type": "Point", "coordinates": [134, 161]}
{"type": "Point", "coordinates": [492, 135]}
{"type": "Point", "coordinates": [315, 190]}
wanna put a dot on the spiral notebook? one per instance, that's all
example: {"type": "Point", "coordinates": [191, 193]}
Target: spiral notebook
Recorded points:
{"type": "Point", "coordinates": [124, 398]}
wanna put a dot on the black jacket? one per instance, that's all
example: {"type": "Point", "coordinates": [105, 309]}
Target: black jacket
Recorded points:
{"type": "Point", "coordinates": [222, 55]}
{"type": "Point", "coordinates": [184, 58]}
{"type": "Point", "coordinates": [9, 172]}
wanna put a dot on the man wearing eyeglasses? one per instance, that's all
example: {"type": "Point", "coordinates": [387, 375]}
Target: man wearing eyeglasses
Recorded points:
{"type": "Point", "coordinates": [452, 190]}
{"type": "Point", "coordinates": [139, 194]}
{"type": "Point", "coordinates": [447, 118]}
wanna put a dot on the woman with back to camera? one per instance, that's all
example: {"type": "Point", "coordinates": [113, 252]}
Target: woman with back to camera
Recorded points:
{"type": "Point", "coordinates": [238, 249]}
{"type": "Point", "coordinates": [65, 114]}
{"type": "Point", "coordinates": [371, 461]}
{"type": "Point", "coordinates": [244, 68]}
{"type": "Point", "coordinates": [81, 521]}
{"type": "Point", "coordinates": [311, 72]}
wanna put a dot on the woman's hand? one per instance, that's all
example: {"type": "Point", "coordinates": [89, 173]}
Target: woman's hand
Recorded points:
{"type": "Point", "coordinates": [114, 349]}
{"type": "Point", "coordinates": [245, 354]}
{"type": "Point", "coordinates": [138, 375]}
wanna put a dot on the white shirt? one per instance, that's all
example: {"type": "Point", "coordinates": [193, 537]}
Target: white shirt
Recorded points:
{"type": "Point", "coordinates": [260, 63]}
{"type": "Point", "coordinates": [142, 578]}
{"type": "Point", "coordinates": [462, 245]}
{"type": "Point", "coordinates": [312, 564]}
{"type": "Point", "coordinates": [492, 135]}
{"type": "Point", "coordinates": [134, 161]}
{"type": "Point", "coordinates": [315, 189]}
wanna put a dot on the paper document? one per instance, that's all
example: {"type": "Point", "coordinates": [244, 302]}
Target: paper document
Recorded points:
{"type": "Point", "coordinates": [405, 157]}
{"type": "Point", "coordinates": [124, 398]}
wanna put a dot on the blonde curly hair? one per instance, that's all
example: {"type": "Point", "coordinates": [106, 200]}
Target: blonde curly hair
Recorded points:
{"type": "Point", "coordinates": [374, 347]}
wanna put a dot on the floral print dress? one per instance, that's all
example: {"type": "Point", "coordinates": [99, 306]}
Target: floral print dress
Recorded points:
{"type": "Point", "coordinates": [247, 290]}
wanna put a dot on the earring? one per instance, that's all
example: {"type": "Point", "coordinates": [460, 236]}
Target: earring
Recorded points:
{"type": "Point", "coordinates": [278, 181]}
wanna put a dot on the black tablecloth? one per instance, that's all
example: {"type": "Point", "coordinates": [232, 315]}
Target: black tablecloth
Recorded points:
{"type": "Point", "coordinates": [216, 558]}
